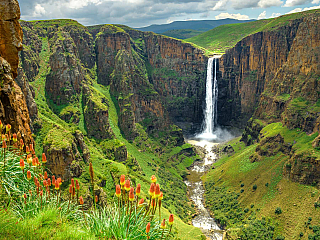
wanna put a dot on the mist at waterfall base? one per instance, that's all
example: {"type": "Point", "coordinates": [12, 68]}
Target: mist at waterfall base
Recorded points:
{"type": "Point", "coordinates": [217, 136]}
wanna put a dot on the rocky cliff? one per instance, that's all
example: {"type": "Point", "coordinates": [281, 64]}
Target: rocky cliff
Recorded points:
{"type": "Point", "coordinates": [13, 108]}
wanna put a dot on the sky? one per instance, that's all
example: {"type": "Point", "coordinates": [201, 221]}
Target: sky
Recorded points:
{"type": "Point", "coordinates": [140, 13]}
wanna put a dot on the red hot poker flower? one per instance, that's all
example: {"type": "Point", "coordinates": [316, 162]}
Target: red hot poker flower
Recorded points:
{"type": "Point", "coordinates": [151, 190]}
{"type": "Point", "coordinates": [163, 224]}
{"type": "Point", "coordinates": [81, 200]}
{"type": "Point", "coordinates": [70, 189]}
{"type": "Point", "coordinates": [153, 179]}
{"type": "Point", "coordinates": [157, 191]}
{"type": "Point", "coordinates": [44, 158]}
{"type": "Point", "coordinates": [45, 175]}
{"type": "Point", "coordinates": [138, 190]}
{"type": "Point", "coordinates": [161, 196]}
{"type": "Point", "coordinates": [171, 219]}
{"type": "Point", "coordinates": [96, 198]}
{"type": "Point", "coordinates": [22, 164]}
{"type": "Point", "coordinates": [141, 201]}
{"type": "Point", "coordinates": [72, 182]}
{"type": "Point", "coordinates": [14, 137]}
{"type": "Point", "coordinates": [49, 182]}
{"type": "Point", "coordinates": [148, 228]}
{"type": "Point", "coordinates": [28, 175]}
{"type": "Point", "coordinates": [118, 191]}
{"type": "Point", "coordinates": [77, 185]}
{"type": "Point", "coordinates": [127, 185]}
{"type": "Point", "coordinates": [56, 185]}
{"type": "Point", "coordinates": [122, 179]}
{"type": "Point", "coordinates": [131, 194]}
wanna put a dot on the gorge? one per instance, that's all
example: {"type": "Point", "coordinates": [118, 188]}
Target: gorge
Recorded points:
{"type": "Point", "coordinates": [127, 102]}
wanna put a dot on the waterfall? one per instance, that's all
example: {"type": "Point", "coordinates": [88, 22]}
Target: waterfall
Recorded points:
{"type": "Point", "coordinates": [210, 112]}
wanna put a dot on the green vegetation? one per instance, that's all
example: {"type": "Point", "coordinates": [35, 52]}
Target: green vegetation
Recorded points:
{"type": "Point", "coordinates": [182, 33]}
{"type": "Point", "coordinates": [221, 38]}
{"type": "Point", "coordinates": [242, 194]}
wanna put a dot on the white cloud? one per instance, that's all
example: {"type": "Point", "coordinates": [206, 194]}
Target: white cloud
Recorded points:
{"type": "Point", "coordinates": [304, 9]}
{"type": "Point", "coordinates": [292, 3]}
{"type": "Point", "coordinates": [315, 1]}
{"type": "Point", "coordinates": [274, 15]}
{"type": "Point", "coordinates": [232, 15]}
{"type": "Point", "coordinates": [262, 15]}
{"type": "Point", "coordinates": [38, 11]}
{"type": "Point", "coordinates": [221, 5]}
{"type": "Point", "coordinates": [269, 3]}
{"type": "Point", "coordinates": [311, 8]}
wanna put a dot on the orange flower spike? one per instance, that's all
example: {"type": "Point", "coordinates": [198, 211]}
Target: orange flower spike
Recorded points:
{"type": "Point", "coordinates": [21, 143]}
{"type": "Point", "coordinates": [21, 164]}
{"type": "Point", "coordinates": [153, 179]}
{"type": "Point", "coordinates": [73, 191]}
{"type": "Point", "coordinates": [171, 219]}
{"type": "Point", "coordinates": [37, 161]}
{"type": "Point", "coordinates": [96, 198]}
{"type": "Point", "coordinates": [49, 182]}
{"type": "Point", "coordinates": [148, 228]}
{"type": "Point", "coordinates": [161, 196]}
{"type": "Point", "coordinates": [59, 181]}
{"type": "Point", "coordinates": [8, 128]}
{"type": "Point", "coordinates": [29, 175]}
{"type": "Point", "coordinates": [81, 200]}
{"type": "Point", "coordinates": [4, 144]}
{"type": "Point", "coordinates": [157, 191]}
{"type": "Point", "coordinates": [14, 137]}
{"type": "Point", "coordinates": [138, 189]}
{"type": "Point", "coordinates": [25, 196]}
{"type": "Point", "coordinates": [31, 147]}
{"type": "Point", "coordinates": [53, 180]}
{"type": "Point", "coordinates": [35, 179]}
{"type": "Point", "coordinates": [1, 125]}
{"type": "Point", "coordinates": [163, 224]}
{"type": "Point", "coordinates": [118, 191]}
{"type": "Point", "coordinates": [56, 185]}
{"type": "Point", "coordinates": [72, 182]}
{"type": "Point", "coordinates": [77, 185]}
{"type": "Point", "coordinates": [45, 183]}
{"type": "Point", "coordinates": [151, 190]}
{"type": "Point", "coordinates": [44, 158]}
{"type": "Point", "coordinates": [70, 189]}
{"type": "Point", "coordinates": [29, 159]}
{"type": "Point", "coordinates": [27, 150]}
{"type": "Point", "coordinates": [45, 175]}
{"type": "Point", "coordinates": [153, 202]}
{"type": "Point", "coordinates": [131, 194]}
{"type": "Point", "coordinates": [122, 180]}
{"type": "Point", "coordinates": [34, 162]}
{"type": "Point", "coordinates": [127, 185]}
{"type": "Point", "coordinates": [141, 201]}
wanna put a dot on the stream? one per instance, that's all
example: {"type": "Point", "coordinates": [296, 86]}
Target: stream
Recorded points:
{"type": "Point", "coordinates": [203, 220]}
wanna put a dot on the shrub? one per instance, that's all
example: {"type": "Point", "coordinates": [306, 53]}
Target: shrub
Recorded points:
{"type": "Point", "coordinates": [242, 190]}
{"type": "Point", "coordinates": [254, 187]}
{"type": "Point", "coordinates": [242, 185]}
{"type": "Point", "coordinates": [278, 210]}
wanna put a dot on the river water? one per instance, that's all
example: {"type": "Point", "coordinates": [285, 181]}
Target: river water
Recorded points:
{"type": "Point", "coordinates": [203, 220]}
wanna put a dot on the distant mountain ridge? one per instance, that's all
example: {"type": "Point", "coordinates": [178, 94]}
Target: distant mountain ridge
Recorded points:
{"type": "Point", "coordinates": [199, 25]}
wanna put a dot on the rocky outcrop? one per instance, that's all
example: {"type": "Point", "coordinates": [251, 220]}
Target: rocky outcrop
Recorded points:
{"type": "Point", "coordinates": [96, 114]}
{"type": "Point", "coordinates": [13, 108]}
{"type": "Point", "coordinates": [248, 68]}
{"type": "Point", "coordinates": [63, 84]}
{"type": "Point", "coordinates": [63, 156]}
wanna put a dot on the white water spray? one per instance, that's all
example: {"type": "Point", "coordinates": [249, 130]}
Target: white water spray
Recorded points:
{"type": "Point", "coordinates": [210, 114]}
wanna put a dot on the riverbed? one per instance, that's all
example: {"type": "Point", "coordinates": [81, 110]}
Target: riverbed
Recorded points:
{"type": "Point", "coordinates": [203, 220]}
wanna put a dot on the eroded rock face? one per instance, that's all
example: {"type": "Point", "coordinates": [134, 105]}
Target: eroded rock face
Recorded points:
{"type": "Point", "coordinates": [13, 108]}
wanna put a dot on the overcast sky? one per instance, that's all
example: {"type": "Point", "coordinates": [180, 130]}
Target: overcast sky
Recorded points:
{"type": "Point", "coordinates": [139, 13]}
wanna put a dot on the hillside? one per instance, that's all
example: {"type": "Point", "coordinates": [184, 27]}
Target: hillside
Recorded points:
{"type": "Point", "coordinates": [82, 111]}
{"type": "Point", "coordinates": [267, 185]}
{"type": "Point", "coordinates": [224, 37]}
{"type": "Point", "coordinates": [187, 29]}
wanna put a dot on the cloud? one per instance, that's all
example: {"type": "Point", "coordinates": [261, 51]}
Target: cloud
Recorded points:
{"type": "Point", "coordinates": [220, 6]}
{"type": "Point", "coordinates": [292, 3]}
{"type": "Point", "coordinates": [274, 15]}
{"type": "Point", "coordinates": [232, 15]}
{"type": "Point", "coordinates": [315, 1]}
{"type": "Point", "coordinates": [302, 10]}
{"type": "Point", "coordinates": [240, 4]}
{"type": "Point", "coordinates": [38, 11]}
{"type": "Point", "coordinates": [269, 3]}
{"type": "Point", "coordinates": [262, 15]}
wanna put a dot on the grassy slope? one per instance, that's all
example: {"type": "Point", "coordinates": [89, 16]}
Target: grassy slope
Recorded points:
{"type": "Point", "coordinates": [49, 119]}
{"type": "Point", "coordinates": [219, 39]}
{"type": "Point", "coordinates": [295, 200]}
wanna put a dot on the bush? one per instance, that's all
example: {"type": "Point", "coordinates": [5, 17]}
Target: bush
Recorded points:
{"type": "Point", "coordinates": [254, 187]}
{"type": "Point", "coordinates": [278, 210]}
{"type": "Point", "coordinates": [242, 185]}
{"type": "Point", "coordinates": [242, 190]}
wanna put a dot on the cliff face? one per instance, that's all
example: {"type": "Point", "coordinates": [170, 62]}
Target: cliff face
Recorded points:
{"type": "Point", "coordinates": [247, 68]}
{"type": "Point", "coordinates": [158, 77]}
{"type": "Point", "coordinates": [13, 108]}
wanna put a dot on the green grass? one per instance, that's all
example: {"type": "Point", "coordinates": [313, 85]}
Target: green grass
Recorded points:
{"type": "Point", "coordinates": [221, 38]}
{"type": "Point", "coordinates": [237, 174]}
